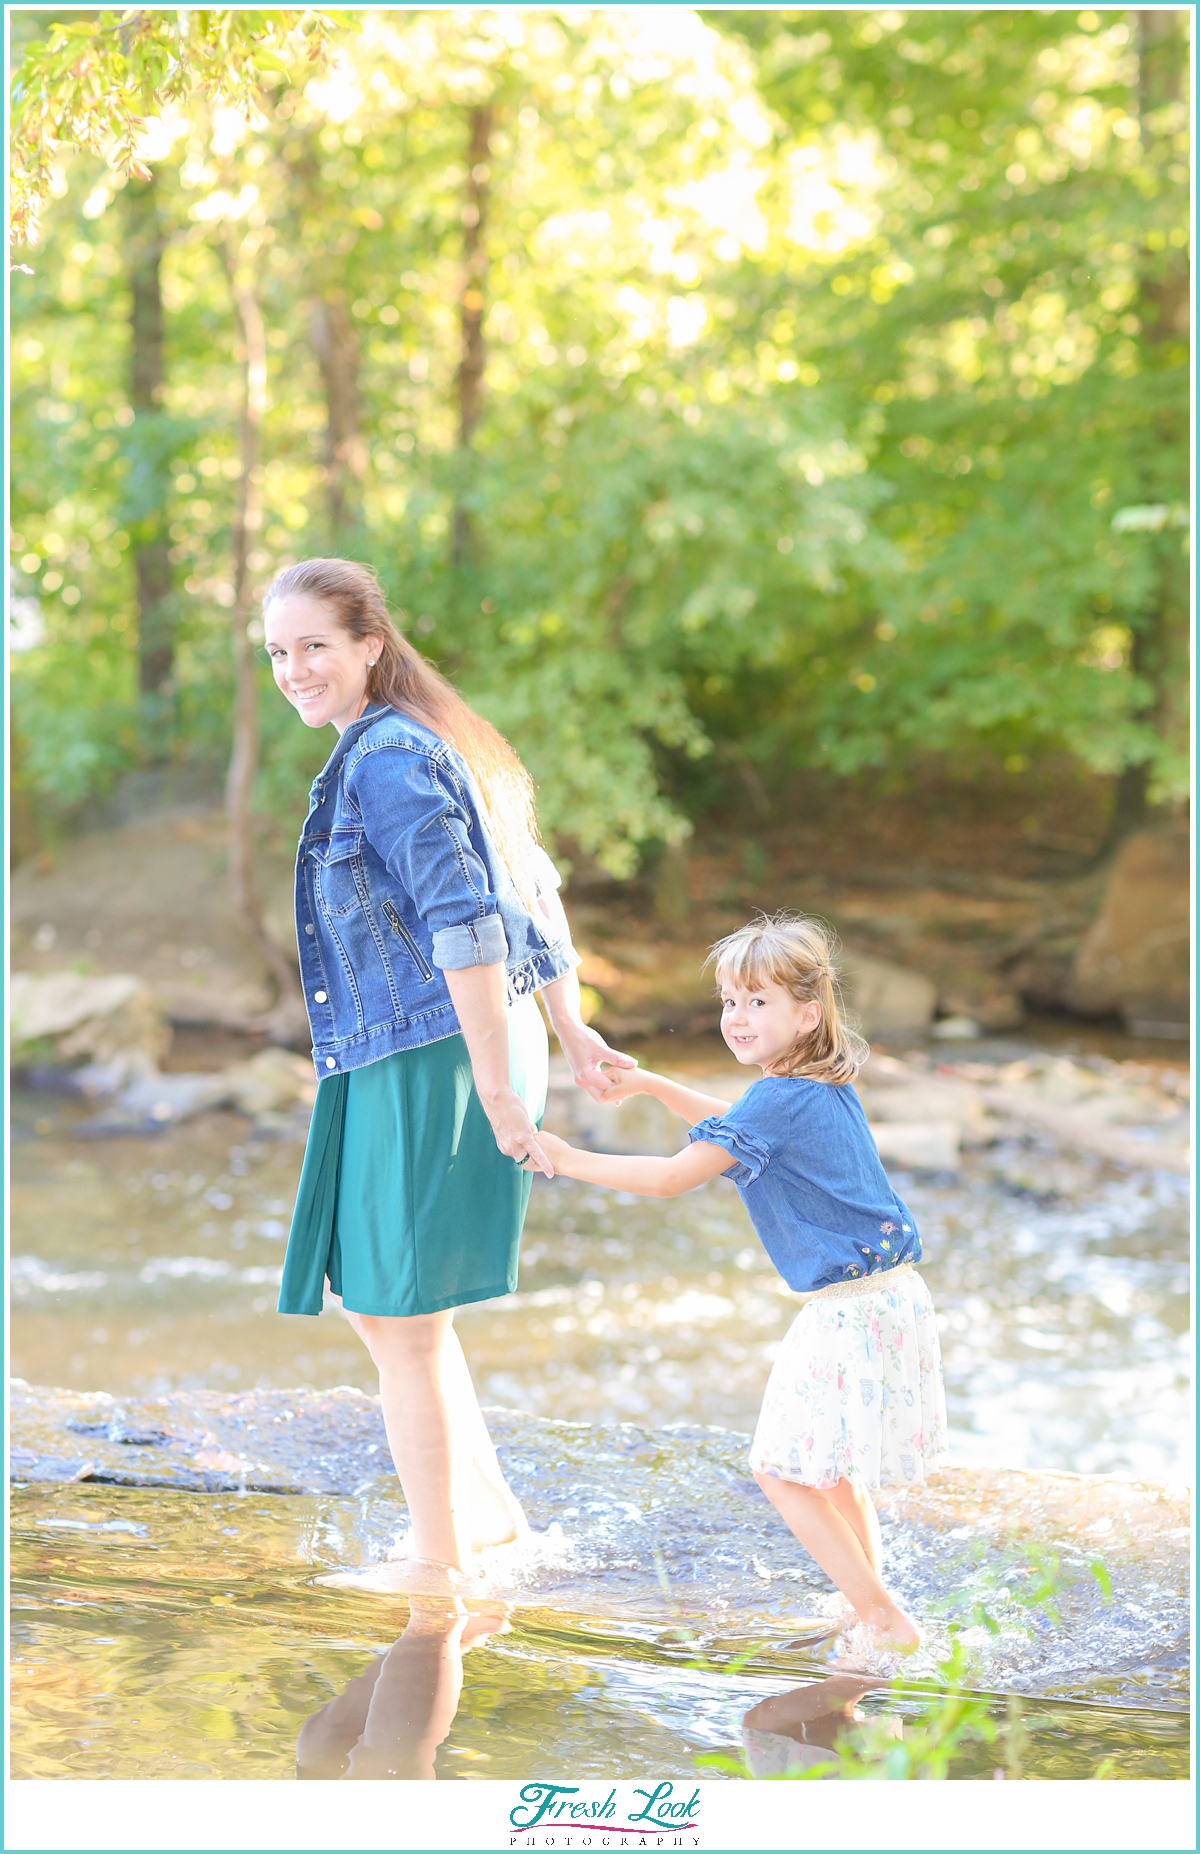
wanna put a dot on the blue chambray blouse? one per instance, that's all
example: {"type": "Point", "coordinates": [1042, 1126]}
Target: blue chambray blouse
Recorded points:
{"type": "Point", "coordinates": [807, 1170]}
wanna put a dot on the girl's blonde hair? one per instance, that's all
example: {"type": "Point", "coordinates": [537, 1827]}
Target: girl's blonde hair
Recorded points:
{"type": "Point", "coordinates": [797, 953]}
{"type": "Point", "coordinates": [403, 679]}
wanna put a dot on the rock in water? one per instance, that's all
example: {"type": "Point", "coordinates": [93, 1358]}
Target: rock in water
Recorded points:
{"type": "Point", "coordinates": [1135, 956]}
{"type": "Point", "coordinates": [888, 1000]}
{"type": "Point", "coordinates": [275, 1088]}
{"type": "Point", "coordinates": [113, 1020]}
{"type": "Point", "coordinates": [919, 1145]}
{"type": "Point", "coordinates": [271, 1082]}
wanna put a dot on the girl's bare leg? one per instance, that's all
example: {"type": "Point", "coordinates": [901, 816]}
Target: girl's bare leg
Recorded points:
{"type": "Point", "coordinates": [857, 1507]}
{"type": "Point", "coordinates": [825, 1532]}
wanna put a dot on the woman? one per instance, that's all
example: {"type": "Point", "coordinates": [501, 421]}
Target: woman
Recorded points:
{"type": "Point", "coordinates": [427, 917]}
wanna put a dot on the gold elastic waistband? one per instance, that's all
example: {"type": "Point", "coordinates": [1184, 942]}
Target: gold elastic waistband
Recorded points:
{"type": "Point", "coordinates": [862, 1284]}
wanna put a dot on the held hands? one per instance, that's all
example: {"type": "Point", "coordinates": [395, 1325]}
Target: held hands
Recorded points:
{"type": "Point", "coordinates": [623, 1084]}
{"type": "Point", "coordinates": [586, 1051]}
{"type": "Point", "coordinates": [557, 1151]}
{"type": "Point", "coordinates": [516, 1134]}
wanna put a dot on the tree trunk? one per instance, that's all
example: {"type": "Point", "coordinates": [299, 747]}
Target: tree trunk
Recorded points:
{"type": "Point", "coordinates": [243, 763]}
{"type": "Point", "coordinates": [336, 350]}
{"type": "Point", "coordinates": [147, 379]}
{"type": "Point", "coordinates": [1162, 60]}
{"type": "Point", "coordinates": [1164, 314]}
{"type": "Point", "coordinates": [471, 309]}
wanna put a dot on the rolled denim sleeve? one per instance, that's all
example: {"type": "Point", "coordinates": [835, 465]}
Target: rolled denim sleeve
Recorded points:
{"type": "Point", "coordinates": [478, 943]}
{"type": "Point", "coordinates": [416, 816]}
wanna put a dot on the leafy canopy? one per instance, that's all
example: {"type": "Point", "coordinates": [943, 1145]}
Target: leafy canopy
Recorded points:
{"type": "Point", "coordinates": [825, 353]}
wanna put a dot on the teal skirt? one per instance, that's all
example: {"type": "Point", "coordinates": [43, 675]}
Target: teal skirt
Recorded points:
{"type": "Point", "coordinates": [406, 1205]}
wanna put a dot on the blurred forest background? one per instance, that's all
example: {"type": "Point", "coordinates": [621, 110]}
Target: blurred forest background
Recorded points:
{"type": "Point", "coordinates": [763, 417]}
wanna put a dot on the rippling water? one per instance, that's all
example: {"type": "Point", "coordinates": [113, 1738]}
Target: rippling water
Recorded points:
{"type": "Point", "coordinates": [661, 1603]}
{"type": "Point", "coordinates": [162, 1633]}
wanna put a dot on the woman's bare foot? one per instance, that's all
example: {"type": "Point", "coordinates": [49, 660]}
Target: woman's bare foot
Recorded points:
{"type": "Point", "coordinates": [497, 1516]}
{"type": "Point", "coordinates": [405, 1577]}
{"type": "Point", "coordinates": [513, 1530]}
{"type": "Point", "coordinates": [483, 1620]}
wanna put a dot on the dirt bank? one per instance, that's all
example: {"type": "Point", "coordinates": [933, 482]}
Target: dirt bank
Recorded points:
{"type": "Point", "coordinates": [151, 898]}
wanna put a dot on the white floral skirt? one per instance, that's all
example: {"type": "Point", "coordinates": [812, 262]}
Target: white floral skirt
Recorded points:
{"type": "Point", "coordinates": [856, 1391]}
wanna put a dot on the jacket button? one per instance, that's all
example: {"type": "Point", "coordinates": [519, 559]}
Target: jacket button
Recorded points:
{"type": "Point", "coordinates": [319, 997]}
{"type": "Point", "coordinates": [310, 928]}
{"type": "Point", "coordinates": [330, 1063]}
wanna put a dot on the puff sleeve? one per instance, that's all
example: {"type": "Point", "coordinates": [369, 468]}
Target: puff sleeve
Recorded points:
{"type": "Point", "coordinates": [751, 1154]}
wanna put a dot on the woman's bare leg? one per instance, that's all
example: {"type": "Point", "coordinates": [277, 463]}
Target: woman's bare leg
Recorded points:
{"type": "Point", "coordinates": [458, 1499]}
{"type": "Point", "coordinates": [419, 1391]}
{"type": "Point", "coordinates": [834, 1543]}
{"type": "Point", "coordinates": [497, 1516]}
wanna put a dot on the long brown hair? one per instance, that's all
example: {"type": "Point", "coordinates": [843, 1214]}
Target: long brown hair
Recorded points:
{"type": "Point", "coordinates": [797, 953]}
{"type": "Point", "coordinates": [403, 679]}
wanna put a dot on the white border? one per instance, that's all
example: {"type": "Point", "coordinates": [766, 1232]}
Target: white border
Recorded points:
{"type": "Point", "coordinates": [470, 1817]}
{"type": "Point", "coordinates": [71, 1817]}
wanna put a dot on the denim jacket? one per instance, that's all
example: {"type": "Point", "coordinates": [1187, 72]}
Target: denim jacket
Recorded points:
{"type": "Point", "coordinates": [808, 1172]}
{"type": "Point", "coordinates": [398, 880]}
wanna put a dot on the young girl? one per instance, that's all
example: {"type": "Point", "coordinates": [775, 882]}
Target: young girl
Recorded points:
{"type": "Point", "coordinates": [855, 1398]}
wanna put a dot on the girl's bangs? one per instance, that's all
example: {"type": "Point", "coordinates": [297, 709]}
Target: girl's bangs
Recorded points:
{"type": "Point", "coordinates": [753, 961]}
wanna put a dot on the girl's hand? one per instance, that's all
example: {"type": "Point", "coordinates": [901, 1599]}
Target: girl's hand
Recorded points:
{"type": "Point", "coordinates": [516, 1134]}
{"type": "Point", "coordinates": [556, 1150]}
{"type": "Point", "coordinates": [586, 1051]}
{"type": "Point", "coordinates": [623, 1084]}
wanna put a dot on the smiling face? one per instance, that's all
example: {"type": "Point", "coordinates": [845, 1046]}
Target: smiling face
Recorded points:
{"type": "Point", "coordinates": [319, 666]}
{"type": "Point", "coordinates": [762, 1022]}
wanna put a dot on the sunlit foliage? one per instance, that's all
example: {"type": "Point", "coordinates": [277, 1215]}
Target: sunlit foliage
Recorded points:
{"type": "Point", "coordinates": [822, 350]}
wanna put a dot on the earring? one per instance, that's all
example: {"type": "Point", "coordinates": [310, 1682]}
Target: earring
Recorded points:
{"type": "Point", "coordinates": [370, 663]}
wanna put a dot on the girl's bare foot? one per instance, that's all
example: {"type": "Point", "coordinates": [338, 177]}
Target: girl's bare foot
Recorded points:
{"type": "Point", "coordinates": [818, 1625]}
{"type": "Point", "coordinates": [890, 1628]}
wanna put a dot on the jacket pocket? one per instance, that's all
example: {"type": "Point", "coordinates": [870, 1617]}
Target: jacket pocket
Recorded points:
{"type": "Point", "coordinates": [338, 868]}
{"type": "Point", "coordinates": [401, 931]}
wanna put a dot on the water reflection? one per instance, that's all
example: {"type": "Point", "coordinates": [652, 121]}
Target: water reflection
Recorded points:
{"type": "Point", "coordinates": [391, 1719]}
{"type": "Point", "coordinates": [163, 1635]}
{"type": "Point", "coordinates": [800, 1731]}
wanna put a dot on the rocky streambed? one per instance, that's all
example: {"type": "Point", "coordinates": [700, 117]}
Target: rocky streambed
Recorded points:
{"type": "Point", "coordinates": [200, 1464]}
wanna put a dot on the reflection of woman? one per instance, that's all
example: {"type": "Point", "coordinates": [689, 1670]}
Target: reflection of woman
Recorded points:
{"type": "Point", "coordinates": [798, 1731]}
{"type": "Point", "coordinates": [391, 1720]}
{"type": "Point", "coordinates": [427, 917]}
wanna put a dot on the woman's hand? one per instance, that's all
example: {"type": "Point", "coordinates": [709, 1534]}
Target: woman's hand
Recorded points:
{"type": "Point", "coordinates": [593, 1064]}
{"type": "Point", "coordinates": [515, 1133]}
{"type": "Point", "coordinates": [479, 998]}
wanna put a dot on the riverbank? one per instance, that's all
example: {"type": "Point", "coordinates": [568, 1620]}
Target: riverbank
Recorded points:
{"type": "Point", "coordinates": [930, 931]}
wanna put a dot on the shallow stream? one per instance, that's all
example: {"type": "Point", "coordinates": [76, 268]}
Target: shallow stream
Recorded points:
{"type": "Point", "coordinates": [168, 1621]}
